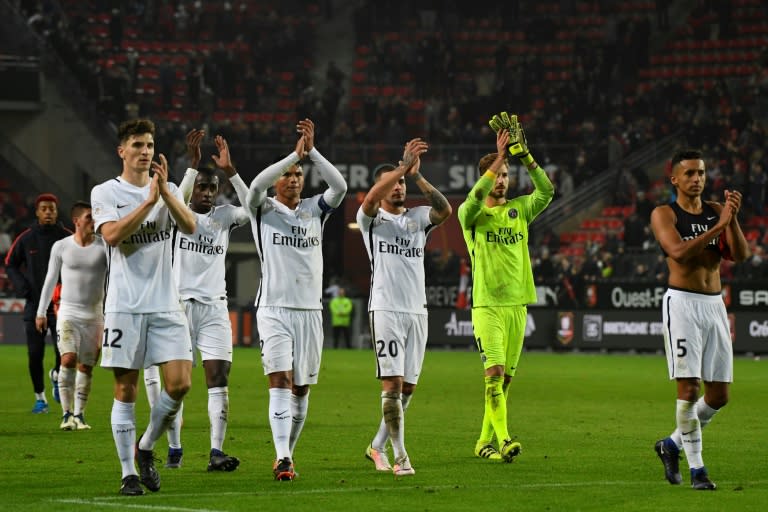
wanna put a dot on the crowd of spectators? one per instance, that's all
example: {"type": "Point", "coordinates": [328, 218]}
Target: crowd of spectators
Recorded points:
{"type": "Point", "coordinates": [579, 126]}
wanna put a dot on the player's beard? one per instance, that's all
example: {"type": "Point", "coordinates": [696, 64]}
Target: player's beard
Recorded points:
{"type": "Point", "coordinates": [497, 194]}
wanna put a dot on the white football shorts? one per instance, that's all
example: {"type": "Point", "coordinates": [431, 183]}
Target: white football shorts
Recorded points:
{"type": "Point", "coordinates": [697, 337]}
{"type": "Point", "coordinates": [140, 340]}
{"type": "Point", "coordinates": [399, 341]}
{"type": "Point", "coordinates": [291, 340]}
{"type": "Point", "coordinates": [210, 329]}
{"type": "Point", "coordinates": [82, 337]}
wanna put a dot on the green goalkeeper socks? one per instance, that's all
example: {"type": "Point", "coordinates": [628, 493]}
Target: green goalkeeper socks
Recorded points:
{"type": "Point", "coordinates": [495, 410]}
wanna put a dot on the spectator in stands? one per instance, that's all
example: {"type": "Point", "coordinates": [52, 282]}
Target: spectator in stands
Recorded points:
{"type": "Point", "coordinates": [640, 272]}
{"type": "Point", "coordinates": [5, 237]}
{"type": "Point", "coordinates": [612, 243]}
{"type": "Point", "coordinates": [26, 264]}
{"type": "Point", "coordinates": [116, 29]}
{"type": "Point", "coordinates": [592, 269]}
{"type": "Point", "coordinates": [544, 267]}
{"type": "Point", "coordinates": [662, 14]}
{"type": "Point", "coordinates": [622, 262]}
{"type": "Point", "coordinates": [644, 207]}
{"type": "Point", "coordinates": [550, 240]}
{"type": "Point", "coordinates": [660, 270]}
{"type": "Point", "coordinates": [635, 231]}
{"type": "Point", "coordinates": [757, 187]}
{"type": "Point", "coordinates": [756, 267]}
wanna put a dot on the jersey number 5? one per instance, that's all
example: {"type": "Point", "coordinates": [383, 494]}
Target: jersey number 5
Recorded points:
{"type": "Point", "coordinates": [682, 351]}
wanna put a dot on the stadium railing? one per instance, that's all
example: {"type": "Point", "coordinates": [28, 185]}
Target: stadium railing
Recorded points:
{"type": "Point", "coordinates": [589, 193]}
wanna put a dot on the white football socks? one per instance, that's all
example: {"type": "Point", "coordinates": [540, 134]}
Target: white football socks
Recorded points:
{"type": "Point", "coordinates": [218, 414]}
{"type": "Point", "coordinates": [124, 433]}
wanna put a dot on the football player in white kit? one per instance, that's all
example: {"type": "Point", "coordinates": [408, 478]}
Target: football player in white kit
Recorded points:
{"type": "Point", "coordinates": [695, 235]}
{"type": "Point", "coordinates": [81, 262]}
{"type": "Point", "coordinates": [199, 271]}
{"type": "Point", "coordinates": [395, 238]}
{"type": "Point", "coordinates": [288, 234]}
{"type": "Point", "coordinates": [144, 321]}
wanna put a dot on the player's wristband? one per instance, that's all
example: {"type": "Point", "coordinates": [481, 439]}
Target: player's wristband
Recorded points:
{"type": "Point", "coordinates": [526, 159]}
{"type": "Point", "coordinates": [490, 175]}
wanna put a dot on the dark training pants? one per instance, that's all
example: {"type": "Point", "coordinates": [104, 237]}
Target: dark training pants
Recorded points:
{"type": "Point", "coordinates": [36, 352]}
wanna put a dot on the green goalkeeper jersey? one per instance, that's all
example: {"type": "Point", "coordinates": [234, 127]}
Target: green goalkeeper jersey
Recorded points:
{"type": "Point", "coordinates": [497, 240]}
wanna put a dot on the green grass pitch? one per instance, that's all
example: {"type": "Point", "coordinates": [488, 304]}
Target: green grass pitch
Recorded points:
{"type": "Point", "coordinates": [587, 424]}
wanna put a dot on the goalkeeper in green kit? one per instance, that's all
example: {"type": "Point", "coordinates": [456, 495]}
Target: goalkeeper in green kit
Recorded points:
{"type": "Point", "coordinates": [496, 233]}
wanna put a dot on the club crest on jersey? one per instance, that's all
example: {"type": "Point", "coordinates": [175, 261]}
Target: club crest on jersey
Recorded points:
{"type": "Point", "coordinates": [512, 212]}
{"type": "Point", "coordinates": [411, 226]}
{"type": "Point", "coordinates": [304, 215]}
{"type": "Point", "coordinates": [214, 225]}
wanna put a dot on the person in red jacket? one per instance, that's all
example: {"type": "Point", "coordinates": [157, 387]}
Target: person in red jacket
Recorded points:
{"type": "Point", "coordinates": [26, 264]}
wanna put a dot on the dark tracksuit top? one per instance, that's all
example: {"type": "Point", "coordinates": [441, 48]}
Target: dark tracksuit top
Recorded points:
{"type": "Point", "coordinates": [27, 263]}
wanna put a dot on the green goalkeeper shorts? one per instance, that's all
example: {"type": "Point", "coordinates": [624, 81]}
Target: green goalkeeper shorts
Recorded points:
{"type": "Point", "coordinates": [499, 334]}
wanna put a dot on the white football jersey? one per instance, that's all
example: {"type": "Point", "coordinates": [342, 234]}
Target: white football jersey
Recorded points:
{"type": "Point", "coordinates": [289, 244]}
{"type": "Point", "coordinates": [395, 245]}
{"type": "Point", "coordinates": [198, 265]}
{"type": "Point", "coordinates": [139, 273]}
{"type": "Point", "coordinates": [82, 271]}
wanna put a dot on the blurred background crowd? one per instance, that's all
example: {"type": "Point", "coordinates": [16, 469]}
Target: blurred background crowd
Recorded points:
{"type": "Point", "coordinates": [595, 83]}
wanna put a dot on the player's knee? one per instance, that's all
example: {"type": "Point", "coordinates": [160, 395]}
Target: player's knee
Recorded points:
{"type": "Point", "coordinates": [494, 371]}
{"type": "Point", "coordinates": [688, 389]}
{"type": "Point", "coordinates": [218, 380]}
{"type": "Point", "coordinates": [716, 399]}
{"type": "Point", "coordinates": [178, 387]}
{"type": "Point", "coordinates": [216, 373]}
{"type": "Point", "coordinates": [125, 392]}
{"type": "Point", "coordinates": [69, 360]}
{"type": "Point", "coordinates": [280, 380]}
{"type": "Point", "coordinates": [177, 392]}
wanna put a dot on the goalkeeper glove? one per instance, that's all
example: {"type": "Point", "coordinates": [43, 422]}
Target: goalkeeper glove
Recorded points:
{"type": "Point", "coordinates": [501, 121]}
{"type": "Point", "coordinates": [518, 145]}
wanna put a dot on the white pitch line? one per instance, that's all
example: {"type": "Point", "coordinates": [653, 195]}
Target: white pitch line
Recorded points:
{"type": "Point", "coordinates": [286, 489]}
{"type": "Point", "coordinates": [123, 504]}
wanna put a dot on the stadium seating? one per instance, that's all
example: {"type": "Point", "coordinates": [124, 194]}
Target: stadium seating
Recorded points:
{"type": "Point", "coordinates": [253, 23]}
{"type": "Point", "coordinates": [696, 61]}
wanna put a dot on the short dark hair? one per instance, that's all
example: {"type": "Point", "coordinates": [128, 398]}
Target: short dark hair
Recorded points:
{"type": "Point", "coordinates": [78, 208]}
{"type": "Point", "coordinates": [135, 127]}
{"type": "Point", "coordinates": [281, 157]}
{"type": "Point", "coordinates": [381, 169]}
{"type": "Point", "coordinates": [208, 172]}
{"type": "Point", "coordinates": [485, 162]}
{"type": "Point", "coordinates": [686, 154]}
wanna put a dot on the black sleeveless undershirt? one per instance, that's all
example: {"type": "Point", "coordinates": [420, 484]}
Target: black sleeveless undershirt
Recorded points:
{"type": "Point", "coordinates": [690, 225]}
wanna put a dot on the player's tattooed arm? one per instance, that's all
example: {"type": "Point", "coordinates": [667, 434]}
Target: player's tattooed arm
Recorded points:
{"type": "Point", "coordinates": [441, 208]}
